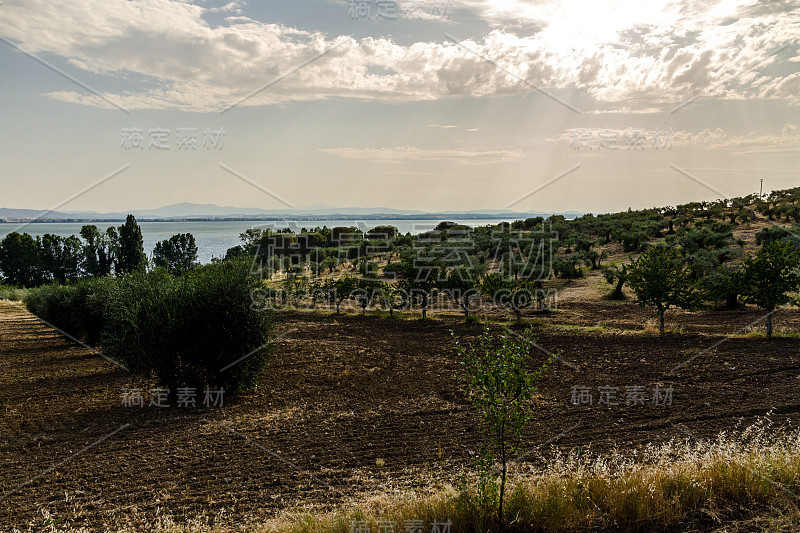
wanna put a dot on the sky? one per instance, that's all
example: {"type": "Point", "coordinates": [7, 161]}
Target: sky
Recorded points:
{"type": "Point", "coordinates": [530, 105]}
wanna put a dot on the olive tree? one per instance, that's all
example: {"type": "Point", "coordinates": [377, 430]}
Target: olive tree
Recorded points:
{"type": "Point", "coordinates": [660, 279]}
{"type": "Point", "coordinates": [515, 295]}
{"type": "Point", "coordinates": [769, 275]}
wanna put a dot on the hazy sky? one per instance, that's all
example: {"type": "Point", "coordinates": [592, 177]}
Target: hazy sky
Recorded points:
{"type": "Point", "coordinates": [418, 104]}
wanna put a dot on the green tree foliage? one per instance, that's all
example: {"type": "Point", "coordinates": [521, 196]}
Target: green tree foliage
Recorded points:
{"type": "Point", "coordinates": [199, 329]}
{"type": "Point", "coordinates": [343, 289]}
{"type": "Point", "coordinates": [500, 388]}
{"type": "Point", "coordinates": [383, 233]}
{"type": "Point", "coordinates": [79, 309]}
{"type": "Point", "coordinates": [568, 267]}
{"type": "Point", "coordinates": [19, 260]}
{"type": "Point", "coordinates": [60, 257]}
{"type": "Point", "coordinates": [419, 281]}
{"type": "Point", "coordinates": [389, 297]}
{"type": "Point", "coordinates": [366, 293]}
{"type": "Point", "coordinates": [659, 279]}
{"type": "Point", "coordinates": [462, 285]}
{"type": "Point", "coordinates": [177, 254]}
{"type": "Point", "coordinates": [330, 263]}
{"type": "Point", "coordinates": [769, 277]}
{"type": "Point", "coordinates": [724, 285]}
{"type": "Point", "coordinates": [100, 250]}
{"type": "Point", "coordinates": [343, 234]}
{"type": "Point", "coordinates": [131, 247]}
{"type": "Point", "coordinates": [196, 330]}
{"type": "Point", "coordinates": [713, 236]}
{"type": "Point", "coordinates": [591, 258]}
{"type": "Point", "coordinates": [773, 233]}
{"type": "Point", "coordinates": [516, 295]}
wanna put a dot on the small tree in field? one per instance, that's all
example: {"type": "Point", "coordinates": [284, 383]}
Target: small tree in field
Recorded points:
{"type": "Point", "coordinates": [515, 295]}
{"type": "Point", "coordinates": [420, 282]}
{"type": "Point", "coordinates": [500, 388]}
{"type": "Point", "coordinates": [463, 286]}
{"type": "Point", "coordinates": [769, 276]}
{"type": "Point", "coordinates": [366, 292]}
{"type": "Point", "coordinates": [660, 280]}
{"type": "Point", "coordinates": [343, 289]}
{"type": "Point", "coordinates": [389, 297]}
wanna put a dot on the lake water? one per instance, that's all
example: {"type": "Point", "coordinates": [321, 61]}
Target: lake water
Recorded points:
{"type": "Point", "coordinates": [215, 237]}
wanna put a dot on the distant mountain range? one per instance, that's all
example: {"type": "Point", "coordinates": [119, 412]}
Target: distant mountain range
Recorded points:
{"type": "Point", "coordinates": [190, 211]}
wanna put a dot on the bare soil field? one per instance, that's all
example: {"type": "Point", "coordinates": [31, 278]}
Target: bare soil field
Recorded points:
{"type": "Point", "coordinates": [351, 407]}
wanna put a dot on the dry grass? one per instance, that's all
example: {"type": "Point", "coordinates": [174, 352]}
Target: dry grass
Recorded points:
{"type": "Point", "coordinates": [742, 481]}
{"type": "Point", "coordinates": [665, 486]}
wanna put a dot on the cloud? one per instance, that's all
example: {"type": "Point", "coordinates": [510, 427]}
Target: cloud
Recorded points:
{"type": "Point", "coordinates": [410, 154]}
{"type": "Point", "coordinates": [640, 54]}
{"type": "Point", "coordinates": [231, 7]}
{"type": "Point", "coordinates": [788, 140]}
{"type": "Point", "coordinates": [718, 139]}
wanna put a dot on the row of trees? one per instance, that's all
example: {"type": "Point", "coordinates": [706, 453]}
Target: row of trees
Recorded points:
{"type": "Point", "coordinates": [29, 261]}
{"type": "Point", "coordinates": [414, 288]}
{"type": "Point", "coordinates": [661, 278]}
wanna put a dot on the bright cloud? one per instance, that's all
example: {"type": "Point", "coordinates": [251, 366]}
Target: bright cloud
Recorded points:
{"type": "Point", "coordinates": [635, 53]}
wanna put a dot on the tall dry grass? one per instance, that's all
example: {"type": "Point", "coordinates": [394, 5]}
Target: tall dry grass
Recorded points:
{"type": "Point", "coordinates": [745, 475]}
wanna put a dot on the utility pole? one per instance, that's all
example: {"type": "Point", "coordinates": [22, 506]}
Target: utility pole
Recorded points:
{"type": "Point", "coordinates": [761, 190]}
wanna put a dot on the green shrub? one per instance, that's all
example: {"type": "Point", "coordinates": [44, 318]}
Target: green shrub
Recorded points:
{"type": "Point", "coordinates": [9, 292]}
{"type": "Point", "coordinates": [53, 303]}
{"type": "Point", "coordinates": [567, 268]}
{"type": "Point", "coordinates": [187, 330]}
{"type": "Point", "coordinates": [182, 330]}
{"type": "Point", "coordinates": [78, 309]}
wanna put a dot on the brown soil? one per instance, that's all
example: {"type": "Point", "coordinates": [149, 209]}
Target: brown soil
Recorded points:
{"type": "Point", "coordinates": [346, 393]}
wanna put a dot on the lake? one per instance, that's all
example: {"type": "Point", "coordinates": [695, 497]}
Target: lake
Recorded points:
{"type": "Point", "coordinates": [215, 237]}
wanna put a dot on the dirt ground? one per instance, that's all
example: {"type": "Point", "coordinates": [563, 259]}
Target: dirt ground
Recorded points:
{"type": "Point", "coordinates": [354, 406]}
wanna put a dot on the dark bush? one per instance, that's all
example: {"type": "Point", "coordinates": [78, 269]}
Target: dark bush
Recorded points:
{"type": "Point", "coordinates": [78, 309]}
{"type": "Point", "coordinates": [186, 330]}
{"type": "Point", "coordinates": [182, 330]}
{"type": "Point", "coordinates": [567, 268]}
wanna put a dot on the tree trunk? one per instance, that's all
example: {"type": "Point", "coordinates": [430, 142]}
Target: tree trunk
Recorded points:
{"type": "Point", "coordinates": [769, 324]}
{"type": "Point", "coordinates": [618, 289]}
{"type": "Point", "coordinates": [661, 321]}
{"type": "Point", "coordinates": [503, 474]}
{"type": "Point", "coordinates": [519, 315]}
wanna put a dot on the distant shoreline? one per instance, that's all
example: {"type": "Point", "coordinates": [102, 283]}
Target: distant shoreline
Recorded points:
{"type": "Point", "coordinates": [310, 218]}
